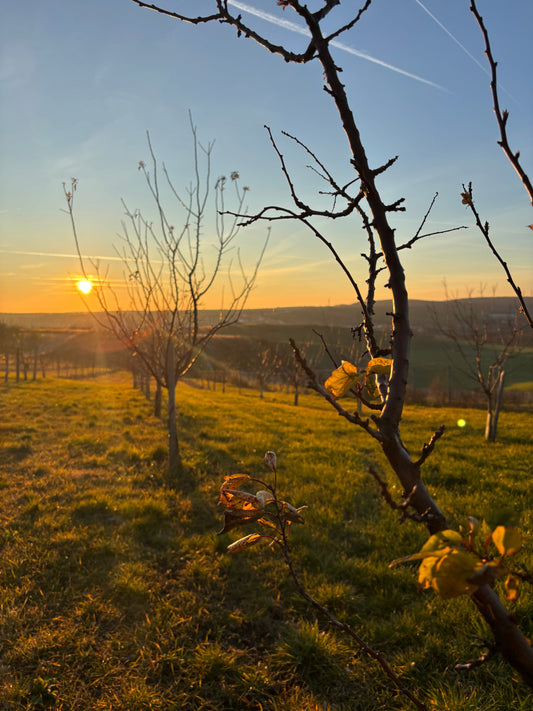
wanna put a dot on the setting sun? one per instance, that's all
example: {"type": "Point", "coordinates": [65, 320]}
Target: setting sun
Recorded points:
{"type": "Point", "coordinates": [84, 286]}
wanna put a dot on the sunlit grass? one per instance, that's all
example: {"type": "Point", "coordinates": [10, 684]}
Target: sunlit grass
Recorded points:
{"type": "Point", "coordinates": [116, 593]}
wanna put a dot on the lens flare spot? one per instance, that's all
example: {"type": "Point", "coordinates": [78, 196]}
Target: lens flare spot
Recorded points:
{"type": "Point", "coordinates": [461, 423]}
{"type": "Point", "coordinates": [84, 286]}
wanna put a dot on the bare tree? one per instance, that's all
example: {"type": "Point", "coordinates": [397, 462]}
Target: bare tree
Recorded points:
{"type": "Point", "coordinates": [9, 337]}
{"type": "Point", "coordinates": [266, 363]}
{"type": "Point", "coordinates": [157, 313]}
{"type": "Point", "coordinates": [484, 347]}
{"type": "Point", "coordinates": [361, 195]}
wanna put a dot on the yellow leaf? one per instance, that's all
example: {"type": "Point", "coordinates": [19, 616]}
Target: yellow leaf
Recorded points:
{"type": "Point", "coordinates": [487, 573]}
{"type": "Point", "coordinates": [426, 572]}
{"type": "Point", "coordinates": [467, 198]}
{"type": "Point", "coordinates": [437, 546]}
{"type": "Point", "coordinates": [371, 389]}
{"type": "Point", "coordinates": [380, 366]}
{"type": "Point", "coordinates": [342, 379]}
{"type": "Point", "coordinates": [442, 539]}
{"type": "Point", "coordinates": [452, 572]}
{"type": "Point", "coordinates": [508, 541]}
{"type": "Point", "coordinates": [245, 542]}
{"type": "Point", "coordinates": [511, 588]}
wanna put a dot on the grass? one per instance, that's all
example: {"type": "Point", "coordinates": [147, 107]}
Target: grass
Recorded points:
{"type": "Point", "coordinates": [116, 593]}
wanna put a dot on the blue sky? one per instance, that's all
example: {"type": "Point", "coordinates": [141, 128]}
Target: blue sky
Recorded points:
{"type": "Point", "coordinates": [82, 82]}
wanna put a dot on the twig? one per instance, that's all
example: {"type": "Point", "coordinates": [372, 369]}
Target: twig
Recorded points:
{"type": "Point", "coordinates": [387, 497]}
{"type": "Point", "coordinates": [474, 663]}
{"type": "Point", "coordinates": [367, 649]}
{"type": "Point", "coordinates": [428, 448]}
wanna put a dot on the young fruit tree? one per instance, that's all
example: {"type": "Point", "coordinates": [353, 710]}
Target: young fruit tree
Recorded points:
{"type": "Point", "coordinates": [382, 383]}
{"type": "Point", "coordinates": [483, 343]}
{"type": "Point", "coordinates": [170, 265]}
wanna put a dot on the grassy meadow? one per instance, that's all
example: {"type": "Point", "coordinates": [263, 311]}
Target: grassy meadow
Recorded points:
{"type": "Point", "coordinates": [117, 593]}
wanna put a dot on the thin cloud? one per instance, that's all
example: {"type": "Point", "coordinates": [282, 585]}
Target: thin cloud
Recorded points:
{"type": "Point", "coordinates": [293, 27]}
{"type": "Point", "coordinates": [57, 255]}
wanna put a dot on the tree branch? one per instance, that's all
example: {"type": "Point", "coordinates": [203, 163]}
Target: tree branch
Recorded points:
{"type": "Point", "coordinates": [484, 229]}
{"type": "Point", "coordinates": [501, 116]}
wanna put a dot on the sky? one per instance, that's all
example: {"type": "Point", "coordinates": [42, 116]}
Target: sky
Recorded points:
{"type": "Point", "coordinates": [83, 81]}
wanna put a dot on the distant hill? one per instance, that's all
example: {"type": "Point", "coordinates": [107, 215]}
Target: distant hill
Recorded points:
{"type": "Point", "coordinates": [501, 309]}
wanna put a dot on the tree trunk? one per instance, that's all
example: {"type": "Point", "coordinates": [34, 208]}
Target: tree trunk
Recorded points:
{"type": "Point", "coordinates": [489, 422]}
{"type": "Point", "coordinates": [6, 374]}
{"type": "Point", "coordinates": [509, 640]}
{"type": "Point", "coordinates": [35, 361]}
{"type": "Point", "coordinates": [497, 407]}
{"type": "Point", "coordinates": [408, 472]}
{"type": "Point", "coordinates": [175, 467]}
{"type": "Point", "coordinates": [146, 388]}
{"type": "Point", "coordinates": [157, 400]}
{"type": "Point", "coordinates": [17, 365]}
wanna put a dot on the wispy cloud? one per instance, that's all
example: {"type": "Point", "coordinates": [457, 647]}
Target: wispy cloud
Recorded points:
{"type": "Point", "coordinates": [293, 27]}
{"type": "Point", "coordinates": [56, 255]}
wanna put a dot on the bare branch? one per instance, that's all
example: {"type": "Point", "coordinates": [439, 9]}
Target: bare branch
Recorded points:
{"type": "Point", "coordinates": [501, 116]}
{"type": "Point", "coordinates": [430, 446]}
{"type": "Point", "coordinates": [484, 229]}
{"type": "Point", "coordinates": [404, 506]}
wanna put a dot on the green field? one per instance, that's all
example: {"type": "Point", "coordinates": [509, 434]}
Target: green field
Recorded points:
{"type": "Point", "coordinates": [117, 593]}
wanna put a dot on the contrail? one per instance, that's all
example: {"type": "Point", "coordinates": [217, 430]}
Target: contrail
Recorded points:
{"type": "Point", "coordinates": [439, 23]}
{"type": "Point", "coordinates": [293, 27]}
{"type": "Point", "coordinates": [465, 50]}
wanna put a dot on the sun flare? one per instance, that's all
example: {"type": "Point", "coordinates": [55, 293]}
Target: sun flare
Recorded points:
{"type": "Point", "coordinates": [84, 286]}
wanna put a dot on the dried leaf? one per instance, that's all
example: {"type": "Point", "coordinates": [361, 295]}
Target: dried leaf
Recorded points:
{"type": "Point", "coordinates": [236, 518]}
{"type": "Point", "coordinates": [291, 513]}
{"type": "Point", "coordinates": [245, 542]}
{"type": "Point", "coordinates": [264, 497]}
{"type": "Point", "coordinates": [235, 498]}
{"type": "Point", "coordinates": [233, 481]}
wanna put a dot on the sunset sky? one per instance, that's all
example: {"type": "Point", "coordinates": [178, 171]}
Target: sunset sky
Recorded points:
{"type": "Point", "coordinates": [83, 80]}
